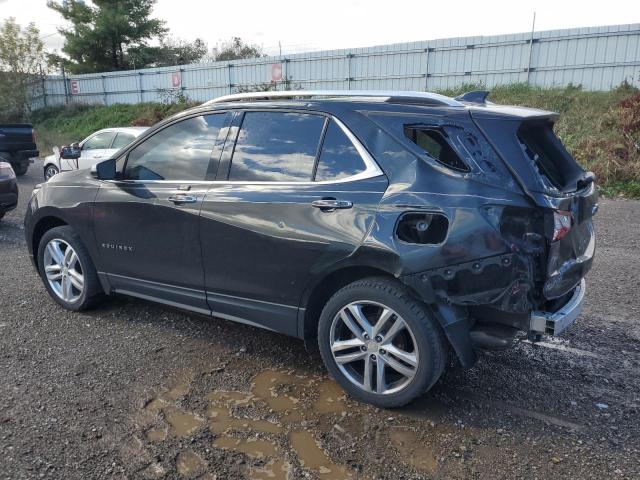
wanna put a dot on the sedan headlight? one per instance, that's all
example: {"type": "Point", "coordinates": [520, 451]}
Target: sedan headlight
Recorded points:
{"type": "Point", "coordinates": [6, 170]}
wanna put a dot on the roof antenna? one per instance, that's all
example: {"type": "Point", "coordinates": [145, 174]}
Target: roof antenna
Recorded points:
{"type": "Point", "coordinates": [476, 96]}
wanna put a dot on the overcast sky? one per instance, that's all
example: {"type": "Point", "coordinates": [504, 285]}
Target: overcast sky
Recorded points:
{"type": "Point", "coordinates": [326, 24]}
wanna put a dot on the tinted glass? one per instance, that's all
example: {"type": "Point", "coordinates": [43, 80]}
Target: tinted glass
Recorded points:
{"type": "Point", "coordinates": [179, 152]}
{"type": "Point", "coordinates": [276, 146]}
{"type": "Point", "coordinates": [122, 139]}
{"type": "Point", "coordinates": [339, 158]}
{"type": "Point", "coordinates": [101, 140]}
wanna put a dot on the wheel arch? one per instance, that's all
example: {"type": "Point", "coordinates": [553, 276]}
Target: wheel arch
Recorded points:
{"type": "Point", "coordinates": [320, 293]}
{"type": "Point", "coordinates": [42, 226]}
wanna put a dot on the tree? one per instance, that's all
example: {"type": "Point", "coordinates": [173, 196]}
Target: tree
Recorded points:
{"type": "Point", "coordinates": [21, 59]}
{"type": "Point", "coordinates": [170, 52]}
{"type": "Point", "coordinates": [103, 32]}
{"type": "Point", "coordinates": [236, 49]}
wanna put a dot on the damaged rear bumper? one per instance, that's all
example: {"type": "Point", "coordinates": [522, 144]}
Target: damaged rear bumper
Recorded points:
{"type": "Point", "coordinates": [554, 323]}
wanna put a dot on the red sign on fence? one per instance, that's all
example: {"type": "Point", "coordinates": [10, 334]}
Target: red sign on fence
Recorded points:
{"type": "Point", "coordinates": [276, 72]}
{"type": "Point", "coordinates": [176, 79]}
{"type": "Point", "coordinates": [75, 87]}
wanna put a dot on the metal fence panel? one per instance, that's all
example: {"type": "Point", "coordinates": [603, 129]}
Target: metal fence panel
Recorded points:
{"type": "Point", "coordinates": [598, 58]}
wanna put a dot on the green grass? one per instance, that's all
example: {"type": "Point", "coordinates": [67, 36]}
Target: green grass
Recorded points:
{"type": "Point", "coordinates": [600, 129]}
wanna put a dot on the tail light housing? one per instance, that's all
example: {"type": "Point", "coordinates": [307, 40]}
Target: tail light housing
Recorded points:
{"type": "Point", "coordinates": [562, 222]}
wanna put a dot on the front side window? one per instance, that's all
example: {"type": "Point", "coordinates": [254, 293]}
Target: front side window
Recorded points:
{"type": "Point", "coordinates": [276, 147]}
{"type": "Point", "coordinates": [339, 157]}
{"type": "Point", "coordinates": [99, 141]}
{"type": "Point", "coordinates": [122, 139]}
{"type": "Point", "coordinates": [181, 151]}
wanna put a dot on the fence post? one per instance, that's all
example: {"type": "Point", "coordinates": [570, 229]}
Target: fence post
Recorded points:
{"type": "Point", "coordinates": [140, 85]}
{"type": "Point", "coordinates": [426, 69]}
{"type": "Point", "coordinates": [349, 55]}
{"type": "Point", "coordinates": [104, 90]}
{"type": "Point", "coordinates": [229, 65]}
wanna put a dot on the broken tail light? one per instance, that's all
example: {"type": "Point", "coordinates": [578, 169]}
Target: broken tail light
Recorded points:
{"type": "Point", "coordinates": [561, 224]}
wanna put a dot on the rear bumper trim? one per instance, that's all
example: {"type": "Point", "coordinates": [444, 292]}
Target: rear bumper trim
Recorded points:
{"type": "Point", "coordinates": [554, 323]}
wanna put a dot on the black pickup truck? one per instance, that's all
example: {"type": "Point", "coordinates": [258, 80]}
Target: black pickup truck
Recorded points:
{"type": "Point", "coordinates": [17, 145]}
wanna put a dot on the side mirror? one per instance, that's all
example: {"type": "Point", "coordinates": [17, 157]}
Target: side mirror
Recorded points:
{"type": "Point", "coordinates": [105, 170]}
{"type": "Point", "coordinates": [70, 152]}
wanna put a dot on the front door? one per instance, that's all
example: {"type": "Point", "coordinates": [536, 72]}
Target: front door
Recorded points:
{"type": "Point", "coordinates": [146, 224]}
{"type": "Point", "coordinates": [299, 198]}
{"type": "Point", "coordinates": [93, 150]}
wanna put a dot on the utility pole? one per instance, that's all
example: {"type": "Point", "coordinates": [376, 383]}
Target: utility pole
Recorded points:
{"type": "Point", "coordinates": [64, 82]}
{"type": "Point", "coordinates": [533, 27]}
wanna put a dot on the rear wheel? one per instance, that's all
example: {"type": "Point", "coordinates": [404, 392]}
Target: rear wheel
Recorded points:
{"type": "Point", "coordinates": [67, 270]}
{"type": "Point", "coordinates": [50, 170]}
{"type": "Point", "coordinates": [380, 343]}
{"type": "Point", "coordinates": [20, 168]}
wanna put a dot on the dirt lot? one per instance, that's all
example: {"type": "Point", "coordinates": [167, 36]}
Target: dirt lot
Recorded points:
{"type": "Point", "coordinates": [135, 390]}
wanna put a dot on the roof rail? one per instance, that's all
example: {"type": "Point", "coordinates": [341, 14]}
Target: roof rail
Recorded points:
{"type": "Point", "coordinates": [418, 98]}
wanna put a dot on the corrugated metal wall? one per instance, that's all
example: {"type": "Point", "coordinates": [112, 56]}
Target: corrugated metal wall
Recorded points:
{"type": "Point", "coordinates": [598, 58]}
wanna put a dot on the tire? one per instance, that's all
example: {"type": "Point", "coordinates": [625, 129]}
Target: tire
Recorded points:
{"type": "Point", "coordinates": [20, 168]}
{"type": "Point", "coordinates": [68, 268]}
{"type": "Point", "coordinates": [50, 170]}
{"type": "Point", "coordinates": [420, 342]}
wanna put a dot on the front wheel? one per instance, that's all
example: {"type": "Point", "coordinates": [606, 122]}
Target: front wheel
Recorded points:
{"type": "Point", "coordinates": [67, 270]}
{"type": "Point", "coordinates": [379, 343]}
{"type": "Point", "coordinates": [50, 170]}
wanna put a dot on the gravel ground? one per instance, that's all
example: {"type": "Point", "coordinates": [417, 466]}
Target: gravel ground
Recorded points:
{"type": "Point", "coordinates": [136, 390]}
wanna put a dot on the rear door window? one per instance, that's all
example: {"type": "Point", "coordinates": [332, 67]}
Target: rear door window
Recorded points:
{"type": "Point", "coordinates": [181, 151]}
{"type": "Point", "coordinates": [276, 147]}
{"type": "Point", "coordinates": [339, 158]}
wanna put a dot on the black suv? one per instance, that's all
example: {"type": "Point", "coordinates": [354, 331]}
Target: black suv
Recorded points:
{"type": "Point", "coordinates": [389, 227]}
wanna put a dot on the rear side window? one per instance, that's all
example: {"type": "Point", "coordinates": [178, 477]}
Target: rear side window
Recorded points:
{"type": "Point", "coordinates": [276, 147]}
{"type": "Point", "coordinates": [181, 151]}
{"type": "Point", "coordinates": [338, 158]}
{"type": "Point", "coordinates": [122, 139]}
{"type": "Point", "coordinates": [99, 141]}
{"type": "Point", "coordinates": [433, 141]}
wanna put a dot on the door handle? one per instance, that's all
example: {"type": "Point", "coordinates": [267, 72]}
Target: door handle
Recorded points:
{"type": "Point", "coordinates": [181, 199]}
{"type": "Point", "coordinates": [330, 204]}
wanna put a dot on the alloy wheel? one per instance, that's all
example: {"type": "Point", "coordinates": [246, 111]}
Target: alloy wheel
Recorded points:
{"type": "Point", "coordinates": [63, 270]}
{"type": "Point", "coordinates": [50, 172]}
{"type": "Point", "coordinates": [374, 347]}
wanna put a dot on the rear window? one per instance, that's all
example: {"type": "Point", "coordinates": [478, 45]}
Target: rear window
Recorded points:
{"type": "Point", "coordinates": [547, 153]}
{"type": "Point", "coordinates": [434, 143]}
{"type": "Point", "coordinates": [276, 147]}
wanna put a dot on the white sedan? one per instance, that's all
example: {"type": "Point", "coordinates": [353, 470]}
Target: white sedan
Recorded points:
{"type": "Point", "coordinates": [97, 146]}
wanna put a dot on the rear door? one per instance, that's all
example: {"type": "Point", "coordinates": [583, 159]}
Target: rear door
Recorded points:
{"type": "Point", "coordinates": [147, 223]}
{"type": "Point", "coordinates": [297, 195]}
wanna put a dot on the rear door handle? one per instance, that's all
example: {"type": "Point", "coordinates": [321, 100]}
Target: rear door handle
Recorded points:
{"type": "Point", "coordinates": [181, 199]}
{"type": "Point", "coordinates": [329, 204]}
